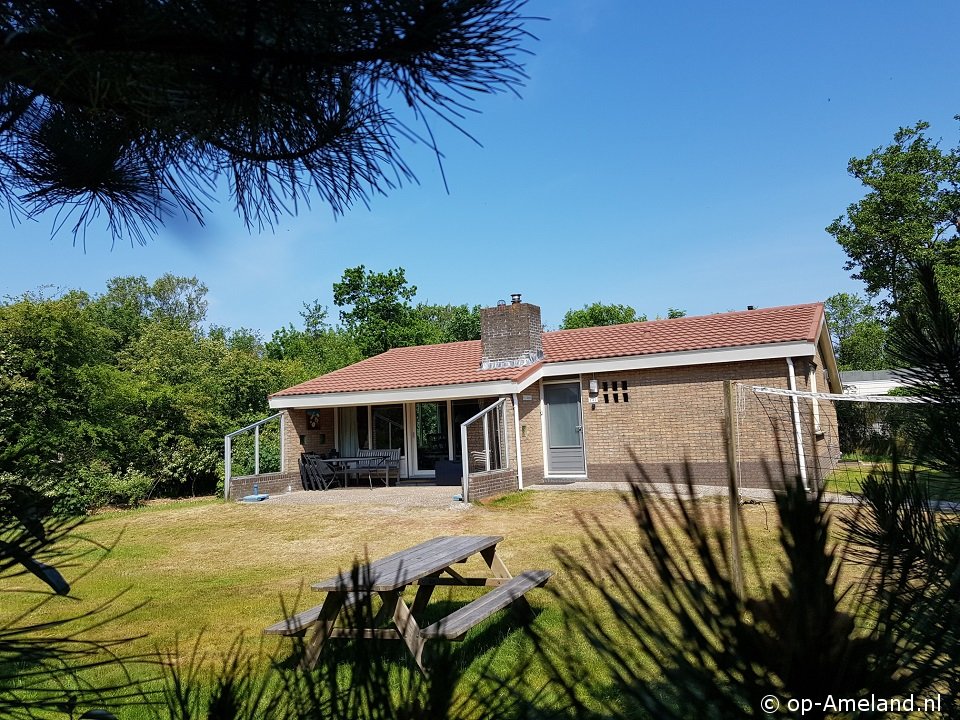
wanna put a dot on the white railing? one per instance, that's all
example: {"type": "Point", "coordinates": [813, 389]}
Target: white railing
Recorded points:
{"type": "Point", "coordinates": [489, 451]}
{"type": "Point", "coordinates": [228, 449]}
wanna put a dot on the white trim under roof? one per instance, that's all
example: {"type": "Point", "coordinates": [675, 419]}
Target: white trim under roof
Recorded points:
{"type": "Point", "coordinates": [548, 369]}
{"type": "Point", "coordinates": [398, 395]}
{"type": "Point", "coordinates": [829, 359]}
{"type": "Point", "coordinates": [673, 359]}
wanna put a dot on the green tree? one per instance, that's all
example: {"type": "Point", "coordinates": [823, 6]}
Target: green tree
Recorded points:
{"type": "Point", "coordinates": [376, 309]}
{"type": "Point", "coordinates": [311, 354]}
{"type": "Point", "coordinates": [844, 312]}
{"type": "Point", "coordinates": [315, 317]}
{"type": "Point", "coordinates": [599, 314]}
{"type": "Point", "coordinates": [910, 214]}
{"type": "Point", "coordinates": [51, 385]}
{"type": "Point", "coordinates": [315, 350]}
{"type": "Point", "coordinates": [130, 303]}
{"type": "Point", "coordinates": [184, 393]}
{"type": "Point", "coordinates": [135, 111]}
{"type": "Point", "coordinates": [179, 301]}
{"type": "Point", "coordinates": [245, 340]}
{"type": "Point", "coordinates": [926, 342]}
{"type": "Point", "coordinates": [124, 307]}
{"type": "Point", "coordinates": [448, 323]}
{"type": "Point", "coordinates": [858, 335]}
{"type": "Point", "coordinates": [172, 404]}
{"type": "Point", "coordinates": [104, 400]}
{"type": "Point", "coordinates": [865, 348]}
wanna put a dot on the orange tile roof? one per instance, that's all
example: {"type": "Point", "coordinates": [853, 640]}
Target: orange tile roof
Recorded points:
{"type": "Point", "coordinates": [459, 363]}
{"type": "Point", "coordinates": [406, 367]}
{"type": "Point", "coordinates": [732, 329]}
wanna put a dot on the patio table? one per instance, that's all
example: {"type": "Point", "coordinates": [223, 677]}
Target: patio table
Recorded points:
{"type": "Point", "coordinates": [344, 466]}
{"type": "Point", "coordinates": [427, 566]}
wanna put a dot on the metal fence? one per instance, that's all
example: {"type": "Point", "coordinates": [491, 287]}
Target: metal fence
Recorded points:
{"type": "Point", "coordinates": [228, 449]}
{"type": "Point", "coordinates": [485, 440]}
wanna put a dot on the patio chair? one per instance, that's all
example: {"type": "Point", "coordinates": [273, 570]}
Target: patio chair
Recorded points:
{"type": "Point", "coordinates": [316, 473]}
{"type": "Point", "coordinates": [478, 460]}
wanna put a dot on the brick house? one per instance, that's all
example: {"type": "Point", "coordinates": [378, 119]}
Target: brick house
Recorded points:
{"type": "Point", "coordinates": [633, 401]}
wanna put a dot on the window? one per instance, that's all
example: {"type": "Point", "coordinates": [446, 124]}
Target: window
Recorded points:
{"type": "Point", "coordinates": [388, 427]}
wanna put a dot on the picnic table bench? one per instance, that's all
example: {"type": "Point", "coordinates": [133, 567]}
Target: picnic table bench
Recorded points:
{"type": "Point", "coordinates": [427, 566]}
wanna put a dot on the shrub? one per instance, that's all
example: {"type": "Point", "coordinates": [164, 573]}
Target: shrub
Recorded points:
{"type": "Point", "coordinates": [99, 486]}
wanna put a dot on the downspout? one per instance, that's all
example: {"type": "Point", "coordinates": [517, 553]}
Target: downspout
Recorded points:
{"type": "Point", "coordinates": [516, 435]}
{"type": "Point", "coordinates": [812, 384]}
{"type": "Point", "coordinates": [797, 427]}
{"type": "Point", "coordinates": [283, 443]}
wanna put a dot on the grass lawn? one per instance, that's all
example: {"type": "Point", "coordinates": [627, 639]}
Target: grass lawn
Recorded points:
{"type": "Point", "coordinates": [216, 571]}
{"type": "Point", "coordinates": [850, 474]}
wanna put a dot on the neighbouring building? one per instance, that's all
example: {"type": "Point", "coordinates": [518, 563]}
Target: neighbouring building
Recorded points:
{"type": "Point", "coordinates": [870, 382]}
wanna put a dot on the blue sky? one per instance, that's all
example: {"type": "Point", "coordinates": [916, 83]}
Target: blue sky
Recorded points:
{"type": "Point", "coordinates": [662, 155]}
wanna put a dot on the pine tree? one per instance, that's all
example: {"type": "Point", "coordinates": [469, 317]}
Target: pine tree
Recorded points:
{"type": "Point", "coordinates": [135, 109]}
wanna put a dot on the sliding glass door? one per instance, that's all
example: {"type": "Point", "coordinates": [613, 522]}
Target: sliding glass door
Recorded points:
{"type": "Point", "coordinates": [425, 432]}
{"type": "Point", "coordinates": [431, 431]}
{"type": "Point", "coordinates": [388, 427]}
{"type": "Point", "coordinates": [378, 427]}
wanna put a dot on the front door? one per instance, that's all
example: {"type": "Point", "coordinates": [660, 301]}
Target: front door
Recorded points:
{"type": "Point", "coordinates": [564, 428]}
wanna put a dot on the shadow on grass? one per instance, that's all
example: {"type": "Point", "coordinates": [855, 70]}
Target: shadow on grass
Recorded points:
{"type": "Point", "coordinates": [488, 636]}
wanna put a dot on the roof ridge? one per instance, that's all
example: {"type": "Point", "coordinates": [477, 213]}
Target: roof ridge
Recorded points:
{"type": "Point", "coordinates": [724, 313]}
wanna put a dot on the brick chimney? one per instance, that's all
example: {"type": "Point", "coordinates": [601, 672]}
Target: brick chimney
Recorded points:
{"type": "Point", "coordinates": [510, 335]}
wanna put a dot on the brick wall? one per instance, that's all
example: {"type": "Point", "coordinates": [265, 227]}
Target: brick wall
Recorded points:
{"type": "Point", "coordinates": [766, 426]}
{"type": "Point", "coordinates": [675, 420]}
{"type": "Point", "coordinates": [827, 441]}
{"type": "Point", "coordinates": [531, 439]}
{"type": "Point", "coordinates": [509, 438]}
{"type": "Point", "coordinates": [511, 335]}
{"type": "Point", "coordinates": [318, 439]}
{"type": "Point", "coordinates": [490, 484]}
{"type": "Point", "coordinates": [268, 483]}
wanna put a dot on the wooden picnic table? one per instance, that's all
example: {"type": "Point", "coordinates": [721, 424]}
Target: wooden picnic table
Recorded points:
{"type": "Point", "coordinates": [427, 566]}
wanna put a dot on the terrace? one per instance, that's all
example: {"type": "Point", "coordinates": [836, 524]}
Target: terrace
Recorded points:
{"type": "Point", "coordinates": [456, 443]}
